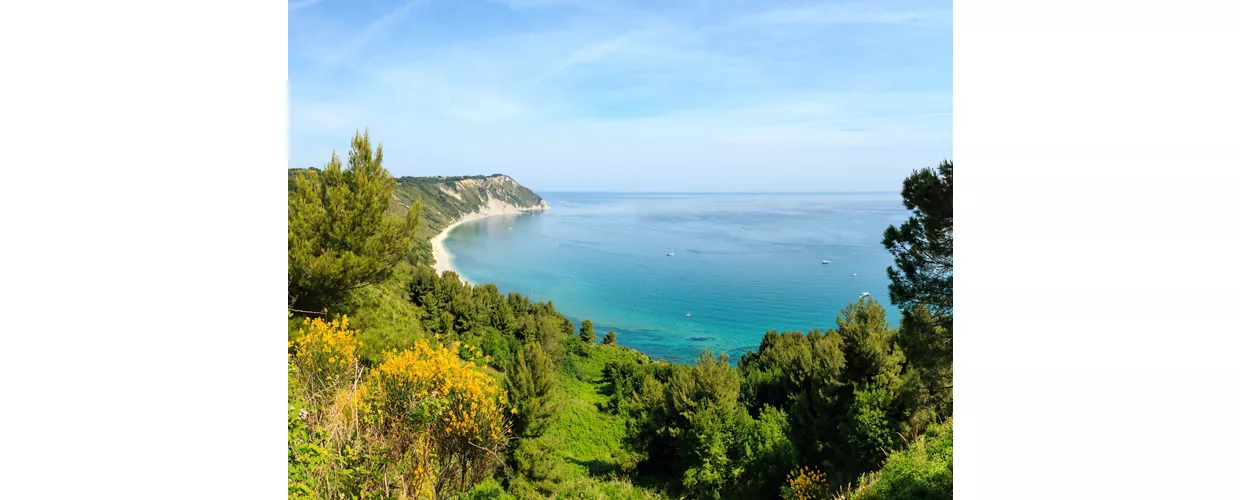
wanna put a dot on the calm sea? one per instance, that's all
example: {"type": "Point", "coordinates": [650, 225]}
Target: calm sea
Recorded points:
{"type": "Point", "coordinates": [744, 263]}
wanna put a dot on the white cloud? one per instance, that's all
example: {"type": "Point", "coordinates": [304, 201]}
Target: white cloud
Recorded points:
{"type": "Point", "coordinates": [538, 104]}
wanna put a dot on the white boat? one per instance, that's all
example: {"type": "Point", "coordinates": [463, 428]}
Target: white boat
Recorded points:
{"type": "Point", "coordinates": [826, 262]}
{"type": "Point", "coordinates": [671, 254]}
{"type": "Point", "coordinates": [687, 315]}
{"type": "Point", "coordinates": [854, 274]}
{"type": "Point", "coordinates": [865, 294]}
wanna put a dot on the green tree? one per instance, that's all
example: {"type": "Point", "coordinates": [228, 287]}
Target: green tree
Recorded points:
{"type": "Point", "coordinates": [922, 246]}
{"type": "Point", "coordinates": [503, 319]}
{"type": "Point", "coordinates": [927, 343]}
{"type": "Point", "coordinates": [530, 381]}
{"type": "Point", "coordinates": [767, 454]}
{"type": "Point", "coordinates": [921, 284]}
{"type": "Point", "coordinates": [686, 421]}
{"type": "Point", "coordinates": [843, 391]}
{"type": "Point", "coordinates": [340, 237]}
{"type": "Point", "coordinates": [587, 331]}
{"type": "Point", "coordinates": [850, 414]}
{"type": "Point", "coordinates": [610, 338]}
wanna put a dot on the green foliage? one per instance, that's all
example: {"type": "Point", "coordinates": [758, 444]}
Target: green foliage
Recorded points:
{"type": "Point", "coordinates": [340, 236]}
{"type": "Point", "coordinates": [604, 490]}
{"type": "Point", "coordinates": [498, 347]}
{"type": "Point", "coordinates": [766, 452]}
{"type": "Point", "coordinates": [923, 471]}
{"type": "Point", "coordinates": [927, 343]}
{"type": "Point", "coordinates": [531, 379]}
{"type": "Point", "coordinates": [846, 419]}
{"type": "Point", "coordinates": [303, 454]}
{"type": "Point", "coordinates": [846, 391]}
{"type": "Point", "coordinates": [922, 246]}
{"type": "Point", "coordinates": [384, 316]}
{"type": "Point", "coordinates": [686, 421]}
{"type": "Point", "coordinates": [540, 471]}
{"type": "Point", "coordinates": [587, 331]}
{"type": "Point", "coordinates": [805, 414]}
{"type": "Point", "coordinates": [490, 489]}
{"type": "Point", "coordinates": [921, 285]}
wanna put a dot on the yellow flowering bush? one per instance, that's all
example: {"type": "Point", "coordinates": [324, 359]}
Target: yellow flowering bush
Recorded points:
{"type": "Point", "coordinates": [430, 391]}
{"type": "Point", "coordinates": [325, 354]}
{"type": "Point", "coordinates": [806, 484]}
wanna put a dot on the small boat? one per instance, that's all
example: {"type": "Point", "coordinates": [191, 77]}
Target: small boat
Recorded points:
{"type": "Point", "coordinates": [671, 254]}
{"type": "Point", "coordinates": [687, 315]}
{"type": "Point", "coordinates": [865, 294]}
{"type": "Point", "coordinates": [854, 274]}
{"type": "Point", "coordinates": [826, 262]}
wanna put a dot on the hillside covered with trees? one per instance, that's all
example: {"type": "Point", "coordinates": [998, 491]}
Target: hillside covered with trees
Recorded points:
{"type": "Point", "coordinates": [407, 384]}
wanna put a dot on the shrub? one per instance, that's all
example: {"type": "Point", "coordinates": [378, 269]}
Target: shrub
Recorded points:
{"type": "Point", "coordinates": [324, 356]}
{"type": "Point", "coordinates": [806, 484]}
{"type": "Point", "coordinates": [453, 412]}
{"type": "Point", "coordinates": [922, 471]}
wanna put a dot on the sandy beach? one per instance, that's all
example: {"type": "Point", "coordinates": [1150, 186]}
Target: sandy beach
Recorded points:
{"type": "Point", "coordinates": [443, 258]}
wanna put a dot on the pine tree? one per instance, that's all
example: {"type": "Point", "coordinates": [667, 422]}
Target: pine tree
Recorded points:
{"type": "Point", "coordinates": [529, 385]}
{"type": "Point", "coordinates": [340, 236]}
{"type": "Point", "coordinates": [922, 246]}
{"type": "Point", "coordinates": [587, 331]}
{"type": "Point", "coordinates": [921, 284]}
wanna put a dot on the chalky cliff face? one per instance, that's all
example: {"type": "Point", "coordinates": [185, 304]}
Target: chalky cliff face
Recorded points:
{"type": "Point", "coordinates": [450, 199]}
{"type": "Point", "coordinates": [495, 194]}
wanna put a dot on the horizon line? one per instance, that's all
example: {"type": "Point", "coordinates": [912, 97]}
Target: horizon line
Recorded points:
{"type": "Point", "coordinates": [717, 192]}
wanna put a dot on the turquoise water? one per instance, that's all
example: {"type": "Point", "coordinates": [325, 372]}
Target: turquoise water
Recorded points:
{"type": "Point", "coordinates": [744, 263]}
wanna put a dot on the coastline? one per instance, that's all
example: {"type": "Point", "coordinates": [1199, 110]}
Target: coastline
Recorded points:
{"type": "Point", "coordinates": [443, 258]}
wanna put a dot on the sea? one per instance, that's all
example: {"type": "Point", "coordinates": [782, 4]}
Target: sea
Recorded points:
{"type": "Point", "coordinates": [673, 274]}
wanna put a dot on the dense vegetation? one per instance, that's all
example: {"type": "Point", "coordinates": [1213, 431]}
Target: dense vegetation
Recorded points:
{"type": "Point", "coordinates": [429, 199]}
{"type": "Point", "coordinates": [405, 383]}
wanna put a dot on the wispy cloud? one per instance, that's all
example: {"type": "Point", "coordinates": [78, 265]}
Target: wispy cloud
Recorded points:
{"type": "Point", "coordinates": [565, 97]}
{"type": "Point", "coordinates": [301, 4]}
{"type": "Point", "coordinates": [374, 30]}
{"type": "Point", "coordinates": [851, 13]}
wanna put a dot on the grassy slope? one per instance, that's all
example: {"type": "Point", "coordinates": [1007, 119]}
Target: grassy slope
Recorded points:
{"type": "Point", "coordinates": [588, 441]}
{"type": "Point", "coordinates": [593, 439]}
{"type": "Point", "coordinates": [923, 471]}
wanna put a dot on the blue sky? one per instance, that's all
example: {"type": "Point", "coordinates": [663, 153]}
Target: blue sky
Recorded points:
{"type": "Point", "coordinates": [600, 95]}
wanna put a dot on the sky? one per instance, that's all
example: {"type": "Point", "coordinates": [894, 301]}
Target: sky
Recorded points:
{"type": "Point", "coordinates": [602, 95]}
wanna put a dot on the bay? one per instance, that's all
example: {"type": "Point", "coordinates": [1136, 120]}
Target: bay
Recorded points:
{"type": "Point", "coordinates": [743, 264]}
